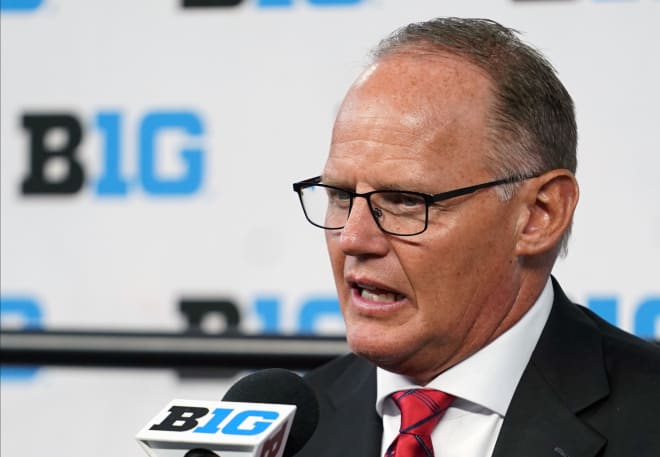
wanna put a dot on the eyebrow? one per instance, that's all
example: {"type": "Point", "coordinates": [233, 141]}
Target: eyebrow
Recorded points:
{"type": "Point", "coordinates": [387, 186]}
{"type": "Point", "coordinates": [334, 183]}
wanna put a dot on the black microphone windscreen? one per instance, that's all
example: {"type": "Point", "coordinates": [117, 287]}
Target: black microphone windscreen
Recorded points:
{"type": "Point", "coordinates": [276, 385]}
{"type": "Point", "coordinates": [200, 453]}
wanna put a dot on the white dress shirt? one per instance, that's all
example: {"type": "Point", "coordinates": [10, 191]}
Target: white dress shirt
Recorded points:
{"type": "Point", "coordinates": [483, 385]}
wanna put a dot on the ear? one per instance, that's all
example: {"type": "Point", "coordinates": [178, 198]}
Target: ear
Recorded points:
{"type": "Point", "coordinates": [551, 199]}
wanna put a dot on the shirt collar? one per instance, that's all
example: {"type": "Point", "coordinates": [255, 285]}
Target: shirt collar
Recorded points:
{"type": "Point", "coordinates": [490, 376]}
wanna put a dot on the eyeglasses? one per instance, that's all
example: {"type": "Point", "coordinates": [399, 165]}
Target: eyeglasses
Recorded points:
{"type": "Point", "coordinates": [396, 212]}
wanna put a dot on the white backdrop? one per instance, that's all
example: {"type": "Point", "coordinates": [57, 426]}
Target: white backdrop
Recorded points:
{"type": "Point", "coordinates": [251, 91]}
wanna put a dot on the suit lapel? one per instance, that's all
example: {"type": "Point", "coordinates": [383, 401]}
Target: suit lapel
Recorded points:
{"type": "Point", "coordinates": [538, 424]}
{"type": "Point", "coordinates": [565, 376]}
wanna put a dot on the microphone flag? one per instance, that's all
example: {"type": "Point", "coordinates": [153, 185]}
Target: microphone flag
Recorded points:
{"type": "Point", "coordinates": [229, 429]}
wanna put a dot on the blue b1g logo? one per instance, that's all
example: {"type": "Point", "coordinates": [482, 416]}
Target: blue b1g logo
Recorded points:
{"type": "Point", "coordinates": [20, 5]}
{"type": "Point", "coordinates": [186, 418]}
{"type": "Point", "coordinates": [113, 181]}
{"type": "Point", "coordinates": [26, 314]}
{"type": "Point", "coordinates": [284, 3]}
{"type": "Point", "coordinates": [266, 3]}
{"type": "Point", "coordinates": [264, 429]}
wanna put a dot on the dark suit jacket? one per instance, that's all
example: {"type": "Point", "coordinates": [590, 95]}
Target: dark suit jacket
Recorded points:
{"type": "Point", "coordinates": [589, 390]}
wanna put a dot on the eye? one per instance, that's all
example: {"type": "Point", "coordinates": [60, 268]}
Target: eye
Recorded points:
{"type": "Point", "coordinates": [338, 197]}
{"type": "Point", "coordinates": [402, 199]}
{"type": "Point", "coordinates": [410, 200]}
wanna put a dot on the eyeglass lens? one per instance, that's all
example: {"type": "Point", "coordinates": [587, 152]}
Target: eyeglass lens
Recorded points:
{"type": "Point", "coordinates": [396, 212]}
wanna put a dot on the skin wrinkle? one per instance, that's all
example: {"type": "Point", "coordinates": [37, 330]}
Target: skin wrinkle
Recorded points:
{"type": "Point", "coordinates": [410, 182]}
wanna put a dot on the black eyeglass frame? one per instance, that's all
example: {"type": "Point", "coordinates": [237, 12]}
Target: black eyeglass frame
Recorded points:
{"type": "Point", "coordinates": [429, 199]}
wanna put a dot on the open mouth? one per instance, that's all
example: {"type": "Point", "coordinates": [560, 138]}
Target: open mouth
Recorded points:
{"type": "Point", "coordinates": [375, 294]}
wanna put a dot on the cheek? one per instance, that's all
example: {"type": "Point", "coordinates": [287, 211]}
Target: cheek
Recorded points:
{"type": "Point", "coordinates": [337, 258]}
{"type": "Point", "coordinates": [466, 267]}
{"type": "Point", "coordinates": [445, 270]}
{"type": "Point", "coordinates": [439, 259]}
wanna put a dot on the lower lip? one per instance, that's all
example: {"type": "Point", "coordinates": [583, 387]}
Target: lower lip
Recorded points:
{"type": "Point", "coordinates": [374, 308]}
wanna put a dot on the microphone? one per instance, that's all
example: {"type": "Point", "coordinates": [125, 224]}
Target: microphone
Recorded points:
{"type": "Point", "coordinates": [254, 419]}
{"type": "Point", "coordinates": [276, 385]}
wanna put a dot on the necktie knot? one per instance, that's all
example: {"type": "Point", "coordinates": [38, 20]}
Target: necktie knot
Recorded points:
{"type": "Point", "coordinates": [421, 410]}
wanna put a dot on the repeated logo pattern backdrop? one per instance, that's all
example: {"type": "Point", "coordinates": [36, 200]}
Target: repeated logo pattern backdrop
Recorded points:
{"type": "Point", "coordinates": [147, 151]}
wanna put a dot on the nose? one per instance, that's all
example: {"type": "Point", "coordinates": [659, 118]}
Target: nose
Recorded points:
{"type": "Point", "coordinates": [361, 235]}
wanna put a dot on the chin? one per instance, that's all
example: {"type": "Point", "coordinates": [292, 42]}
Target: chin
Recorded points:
{"type": "Point", "coordinates": [385, 354]}
{"type": "Point", "coordinates": [397, 353]}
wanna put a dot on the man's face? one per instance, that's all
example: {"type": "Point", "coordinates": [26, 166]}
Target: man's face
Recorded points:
{"type": "Point", "coordinates": [417, 305]}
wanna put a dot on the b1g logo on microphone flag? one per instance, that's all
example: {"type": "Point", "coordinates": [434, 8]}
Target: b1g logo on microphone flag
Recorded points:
{"type": "Point", "coordinates": [230, 429]}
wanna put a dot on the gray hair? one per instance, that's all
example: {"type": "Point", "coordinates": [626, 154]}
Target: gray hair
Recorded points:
{"type": "Point", "coordinates": [533, 123]}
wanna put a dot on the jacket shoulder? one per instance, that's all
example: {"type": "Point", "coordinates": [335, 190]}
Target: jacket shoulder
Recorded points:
{"type": "Point", "coordinates": [325, 374]}
{"type": "Point", "coordinates": [629, 351]}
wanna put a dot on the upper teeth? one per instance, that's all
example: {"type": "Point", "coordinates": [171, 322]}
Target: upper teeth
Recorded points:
{"type": "Point", "coordinates": [380, 297]}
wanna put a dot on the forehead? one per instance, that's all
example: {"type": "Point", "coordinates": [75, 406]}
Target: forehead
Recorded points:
{"type": "Point", "coordinates": [409, 115]}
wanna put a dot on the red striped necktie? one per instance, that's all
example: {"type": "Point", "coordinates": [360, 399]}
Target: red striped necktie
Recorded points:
{"type": "Point", "coordinates": [421, 410]}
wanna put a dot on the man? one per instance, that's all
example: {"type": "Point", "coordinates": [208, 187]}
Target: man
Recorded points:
{"type": "Point", "coordinates": [447, 195]}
